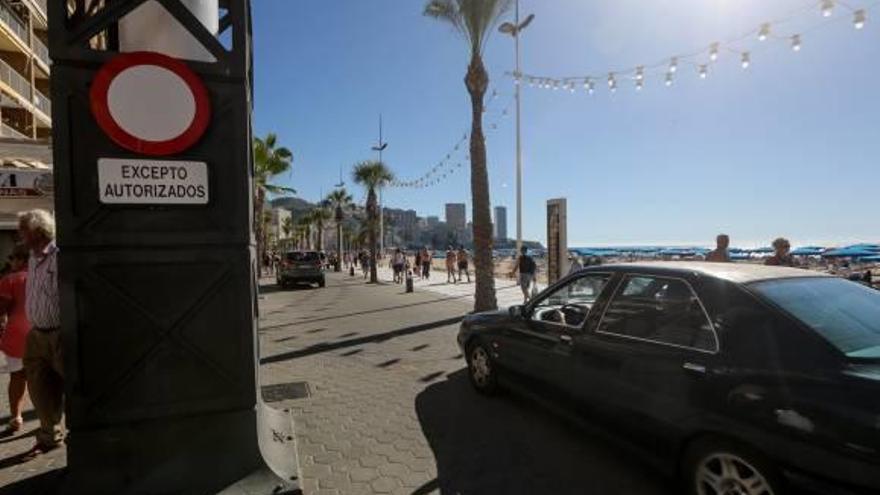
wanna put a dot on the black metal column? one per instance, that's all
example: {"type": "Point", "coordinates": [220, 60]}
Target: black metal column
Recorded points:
{"type": "Point", "coordinates": [158, 301]}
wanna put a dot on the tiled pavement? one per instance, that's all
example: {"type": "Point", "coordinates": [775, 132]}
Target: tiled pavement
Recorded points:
{"type": "Point", "coordinates": [507, 292]}
{"type": "Point", "coordinates": [390, 409]}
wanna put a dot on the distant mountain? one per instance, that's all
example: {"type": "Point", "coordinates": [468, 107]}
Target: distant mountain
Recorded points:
{"type": "Point", "coordinates": [297, 205]}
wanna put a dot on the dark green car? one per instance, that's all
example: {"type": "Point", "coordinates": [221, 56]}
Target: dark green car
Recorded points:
{"type": "Point", "coordinates": [300, 267]}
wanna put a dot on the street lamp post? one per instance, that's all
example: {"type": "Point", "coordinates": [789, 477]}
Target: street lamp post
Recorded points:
{"type": "Point", "coordinates": [380, 148]}
{"type": "Point", "coordinates": [514, 30]}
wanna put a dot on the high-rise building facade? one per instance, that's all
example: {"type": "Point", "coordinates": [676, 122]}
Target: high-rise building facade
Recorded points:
{"type": "Point", "coordinates": [500, 225]}
{"type": "Point", "coordinates": [456, 216]}
{"type": "Point", "coordinates": [25, 115]}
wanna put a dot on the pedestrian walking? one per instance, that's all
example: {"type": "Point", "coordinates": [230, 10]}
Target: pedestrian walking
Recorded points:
{"type": "Point", "coordinates": [527, 269]}
{"type": "Point", "coordinates": [721, 253]}
{"type": "Point", "coordinates": [781, 255]}
{"type": "Point", "coordinates": [365, 264]}
{"type": "Point", "coordinates": [42, 355]}
{"type": "Point", "coordinates": [575, 264]}
{"type": "Point", "coordinates": [397, 264]}
{"type": "Point", "coordinates": [13, 287]}
{"type": "Point", "coordinates": [426, 263]}
{"type": "Point", "coordinates": [417, 269]}
{"type": "Point", "coordinates": [450, 265]}
{"type": "Point", "coordinates": [462, 258]}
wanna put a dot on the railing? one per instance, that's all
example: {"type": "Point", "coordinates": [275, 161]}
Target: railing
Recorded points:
{"type": "Point", "coordinates": [43, 103]}
{"type": "Point", "coordinates": [15, 80]}
{"type": "Point", "coordinates": [11, 19]}
{"type": "Point", "coordinates": [9, 131]}
{"type": "Point", "coordinates": [41, 51]}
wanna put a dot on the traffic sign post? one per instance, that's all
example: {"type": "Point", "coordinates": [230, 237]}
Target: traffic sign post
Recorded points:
{"type": "Point", "coordinates": [157, 267]}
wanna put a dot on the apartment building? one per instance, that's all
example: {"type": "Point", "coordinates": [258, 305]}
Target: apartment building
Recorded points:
{"type": "Point", "coordinates": [25, 114]}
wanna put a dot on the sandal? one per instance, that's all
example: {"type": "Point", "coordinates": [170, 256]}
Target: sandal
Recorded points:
{"type": "Point", "coordinates": [12, 428]}
{"type": "Point", "coordinates": [38, 450]}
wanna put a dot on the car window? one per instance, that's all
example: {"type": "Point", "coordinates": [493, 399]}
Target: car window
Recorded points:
{"type": "Point", "coordinates": [845, 313]}
{"type": "Point", "coordinates": [663, 310]}
{"type": "Point", "coordinates": [570, 304]}
{"type": "Point", "coordinates": [299, 256]}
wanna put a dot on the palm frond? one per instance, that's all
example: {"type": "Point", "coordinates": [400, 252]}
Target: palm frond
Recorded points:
{"type": "Point", "coordinates": [473, 19]}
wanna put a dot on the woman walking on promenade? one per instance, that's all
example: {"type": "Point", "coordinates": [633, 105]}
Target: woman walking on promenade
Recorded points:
{"type": "Point", "coordinates": [14, 334]}
{"type": "Point", "coordinates": [426, 263]}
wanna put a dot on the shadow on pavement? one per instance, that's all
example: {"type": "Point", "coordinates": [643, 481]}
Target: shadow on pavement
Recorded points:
{"type": "Point", "coordinates": [379, 337]}
{"type": "Point", "coordinates": [359, 313]}
{"type": "Point", "coordinates": [509, 445]}
{"type": "Point", "coordinates": [49, 483]}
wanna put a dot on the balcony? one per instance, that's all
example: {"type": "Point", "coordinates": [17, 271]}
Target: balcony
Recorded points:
{"type": "Point", "coordinates": [12, 20]}
{"type": "Point", "coordinates": [41, 51]}
{"type": "Point", "coordinates": [15, 80]}
{"type": "Point", "coordinates": [42, 103]}
{"type": "Point", "coordinates": [8, 131]}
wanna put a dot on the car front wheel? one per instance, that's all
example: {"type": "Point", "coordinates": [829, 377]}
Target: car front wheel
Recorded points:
{"type": "Point", "coordinates": [481, 369]}
{"type": "Point", "coordinates": [721, 467]}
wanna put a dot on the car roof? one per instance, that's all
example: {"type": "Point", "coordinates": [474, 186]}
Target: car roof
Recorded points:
{"type": "Point", "coordinates": [741, 273]}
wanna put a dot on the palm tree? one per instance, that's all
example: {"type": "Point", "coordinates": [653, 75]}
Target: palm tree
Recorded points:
{"type": "Point", "coordinates": [319, 217]}
{"type": "Point", "coordinates": [269, 161]}
{"type": "Point", "coordinates": [287, 228]}
{"type": "Point", "coordinates": [339, 200]}
{"type": "Point", "coordinates": [372, 175]}
{"type": "Point", "coordinates": [304, 228]}
{"type": "Point", "coordinates": [475, 20]}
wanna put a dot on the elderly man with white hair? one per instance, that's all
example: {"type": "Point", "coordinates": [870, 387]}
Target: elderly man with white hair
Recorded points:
{"type": "Point", "coordinates": [42, 355]}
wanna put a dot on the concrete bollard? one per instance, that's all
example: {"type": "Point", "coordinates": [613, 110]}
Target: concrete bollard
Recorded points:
{"type": "Point", "coordinates": [409, 281]}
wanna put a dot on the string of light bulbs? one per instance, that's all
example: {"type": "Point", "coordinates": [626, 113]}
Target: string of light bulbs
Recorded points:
{"type": "Point", "coordinates": [458, 154]}
{"type": "Point", "coordinates": [702, 60]}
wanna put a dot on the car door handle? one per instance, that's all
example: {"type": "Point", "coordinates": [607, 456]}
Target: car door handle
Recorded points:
{"type": "Point", "coordinates": [695, 368]}
{"type": "Point", "coordinates": [566, 339]}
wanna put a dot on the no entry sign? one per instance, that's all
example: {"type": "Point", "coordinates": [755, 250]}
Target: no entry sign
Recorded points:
{"type": "Point", "coordinates": [150, 103]}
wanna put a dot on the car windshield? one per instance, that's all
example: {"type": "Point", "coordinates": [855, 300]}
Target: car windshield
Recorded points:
{"type": "Point", "coordinates": [845, 313]}
{"type": "Point", "coordinates": [300, 256]}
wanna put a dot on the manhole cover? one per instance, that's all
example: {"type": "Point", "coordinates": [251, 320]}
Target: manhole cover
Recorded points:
{"type": "Point", "coordinates": [286, 391]}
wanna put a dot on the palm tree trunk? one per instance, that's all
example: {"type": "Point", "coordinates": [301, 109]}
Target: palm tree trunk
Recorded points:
{"type": "Point", "coordinates": [258, 226]}
{"type": "Point", "coordinates": [339, 256]}
{"type": "Point", "coordinates": [373, 221]}
{"type": "Point", "coordinates": [476, 81]}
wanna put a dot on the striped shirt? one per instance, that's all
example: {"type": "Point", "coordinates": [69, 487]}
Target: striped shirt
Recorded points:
{"type": "Point", "coordinates": [41, 303]}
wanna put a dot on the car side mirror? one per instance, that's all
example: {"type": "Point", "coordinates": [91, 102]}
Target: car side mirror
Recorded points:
{"type": "Point", "coordinates": [516, 311]}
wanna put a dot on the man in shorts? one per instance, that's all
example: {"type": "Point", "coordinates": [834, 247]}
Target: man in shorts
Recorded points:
{"type": "Point", "coordinates": [527, 268]}
{"type": "Point", "coordinates": [463, 263]}
{"type": "Point", "coordinates": [450, 265]}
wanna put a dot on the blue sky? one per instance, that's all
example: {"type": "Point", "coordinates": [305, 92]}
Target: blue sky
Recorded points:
{"type": "Point", "coordinates": [788, 147]}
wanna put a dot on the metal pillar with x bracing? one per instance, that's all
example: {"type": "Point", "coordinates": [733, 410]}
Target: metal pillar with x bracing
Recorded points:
{"type": "Point", "coordinates": [159, 288]}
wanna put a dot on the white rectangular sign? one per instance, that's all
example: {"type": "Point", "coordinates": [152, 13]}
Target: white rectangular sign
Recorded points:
{"type": "Point", "coordinates": [130, 181]}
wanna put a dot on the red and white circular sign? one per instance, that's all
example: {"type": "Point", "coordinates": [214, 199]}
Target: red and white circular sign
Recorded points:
{"type": "Point", "coordinates": [150, 103]}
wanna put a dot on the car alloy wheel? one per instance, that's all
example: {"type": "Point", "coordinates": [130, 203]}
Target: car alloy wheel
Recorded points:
{"type": "Point", "coordinates": [481, 369]}
{"type": "Point", "coordinates": [723, 473]}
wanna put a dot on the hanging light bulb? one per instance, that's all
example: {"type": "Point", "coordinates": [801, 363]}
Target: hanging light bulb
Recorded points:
{"type": "Point", "coordinates": [531, 82]}
{"type": "Point", "coordinates": [827, 8]}
{"type": "Point", "coordinates": [764, 32]}
{"type": "Point", "coordinates": [611, 81]}
{"type": "Point", "coordinates": [668, 79]}
{"type": "Point", "coordinates": [704, 71]}
{"type": "Point", "coordinates": [571, 86]}
{"type": "Point", "coordinates": [516, 81]}
{"type": "Point", "coordinates": [555, 85]}
{"type": "Point", "coordinates": [746, 60]}
{"type": "Point", "coordinates": [639, 85]}
{"type": "Point", "coordinates": [673, 65]}
{"type": "Point", "coordinates": [859, 19]}
{"type": "Point", "coordinates": [713, 52]}
{"type": "Point", "coordinates": [590, 86]}
{"type": "Point", "coordinates": [796, 42]}
{"type": "Point", "coordinates": [640, 73]}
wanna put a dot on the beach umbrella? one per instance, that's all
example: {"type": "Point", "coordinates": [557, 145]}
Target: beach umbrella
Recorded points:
{"type": "Point", "coordinates": [849, 252]}
{"type": "Point", "coordinates": [808, 251]}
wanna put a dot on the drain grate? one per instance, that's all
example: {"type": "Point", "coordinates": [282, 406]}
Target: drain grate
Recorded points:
{"type": "Point", "coordinates": [286, 391]}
